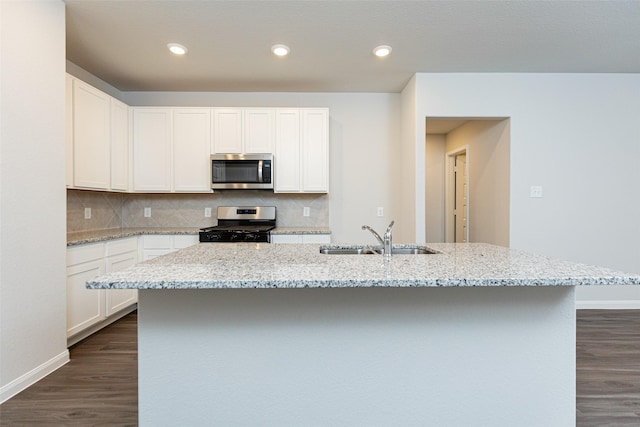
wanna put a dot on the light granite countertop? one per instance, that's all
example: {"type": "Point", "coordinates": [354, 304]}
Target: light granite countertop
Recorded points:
{"type": "Point", "coordinates": [301, 230]}
{"type": "Point", "coordinates": [95, 236]}
{"type": "Point", "coordinates": [260, 265]}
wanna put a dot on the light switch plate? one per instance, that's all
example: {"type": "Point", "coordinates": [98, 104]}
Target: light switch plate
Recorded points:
{"type": "Point", "coordinates": [87, 213]}
{"type": "Point", "coordinates": [147, 212]}
{"type": "Point", "coordinates": [536, 191]}
{"type": "Point", "coordinates": [207, 212]}
{"type": "Point", "coordinates": [306, 211]}
{"type": "Point", "coordinates": [380, 211]}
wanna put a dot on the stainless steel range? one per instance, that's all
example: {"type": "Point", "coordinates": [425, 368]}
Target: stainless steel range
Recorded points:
{"type": "Point", "coordinates": [241, 224]}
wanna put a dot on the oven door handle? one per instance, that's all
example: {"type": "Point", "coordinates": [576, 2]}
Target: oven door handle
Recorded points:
{"type": "Point", "coordinates": [260, 166]}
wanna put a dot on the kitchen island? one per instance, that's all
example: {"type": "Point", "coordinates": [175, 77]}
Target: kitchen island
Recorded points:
{"type": "Point", "coordinates": [282, 335]}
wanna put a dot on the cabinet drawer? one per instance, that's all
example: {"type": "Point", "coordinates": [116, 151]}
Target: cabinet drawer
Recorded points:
{"type": "Point", "coordinates": [157, 242]}
{"type": "Point", "coordinates": [184, 241]}
{"type": "Point", "coordinates": [85, 253]}
{"type": "Point", "coordinates": [120, 246]}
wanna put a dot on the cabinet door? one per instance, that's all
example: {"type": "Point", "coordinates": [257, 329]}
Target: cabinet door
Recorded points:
{"type": "Point", "coordinates": [91, 123]}
{"type": "Point", "coordinates": [85, 307]}
{"type": "Point", "coordinates": [119, 145]}
{"type": "Point", "coordinates": [227, 130]}
{"type": "Point", "coordinates": [191, 149]}
{"type": "Point", "coordinates": [259, 130]}
{"type": "Point", "coordinates": [152, 149]}
{"type": "Point", "coordinates": [155, 246]}
{"type": "Point", "coordinates": [69, 130]}
{"type": "Point", "coordinates": [184, 241]}
{"type": "Point", "coordinates": [315, 151]}
{"type": "Point", "coordinates": [118, 299]}
{"type": "Point", "coordinates": [287, 156]}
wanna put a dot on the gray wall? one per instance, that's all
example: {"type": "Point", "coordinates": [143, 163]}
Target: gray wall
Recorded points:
{"type": "Point", "coordinates": [577, 136]}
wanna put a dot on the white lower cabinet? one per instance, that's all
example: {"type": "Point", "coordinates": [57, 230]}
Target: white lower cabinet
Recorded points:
{"type": "Point", "coordinates": [120, 254]}
{"type": "Point", "coordinates": [156, 245]}
{"type": "Point", "coordinates": [87, 308]}
{"type": "Point", "coordinates": [301, 238]}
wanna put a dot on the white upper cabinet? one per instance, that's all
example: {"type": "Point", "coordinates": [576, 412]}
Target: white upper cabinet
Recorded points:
{"type": "Point", "coordinates": [243, 130]}
{"type": "Point", "coordinates": [191, 147]}
{"type": "Point", "coordinates": [171, 149]}
{"type": "Point", "coordinates": [227, 130]}
{"type": "Point", "coordinates": [69, 130]}
{"type": "Point", "coordinates": [315, 150]}
{"type": "Point", "coordinates": [152, 149]}
{"type": "Point", "coordinates": [259, 130]}
{"type": "Point", "coordinates": [287, 155]}
{"type": "Point", "coordinates": [302, 151]}
{"type": "Point", "coordinates": [97, 146]}
{"type": "Point", "coordinates": [119, 146]}
{"type": "Point", "coordinates": [91, 137]}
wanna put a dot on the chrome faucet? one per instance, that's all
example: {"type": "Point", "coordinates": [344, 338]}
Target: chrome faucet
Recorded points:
{"type": "Point", "coordinates": [387, 242]}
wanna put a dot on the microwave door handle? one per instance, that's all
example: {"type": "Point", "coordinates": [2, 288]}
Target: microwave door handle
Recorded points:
{"type": "Point", "coordinates": [260, 165]}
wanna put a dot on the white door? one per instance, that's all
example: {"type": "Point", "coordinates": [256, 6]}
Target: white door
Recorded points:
{"type": "Point", "coordinates": [315, 150]}
{"type": "Point", "coordinates": [117, 299]}
{"type": "Point", "coordinates": [152, 149]}
{"type": "Point", "coordinates": [191, 145]}
{"type": "Point", "coordinates": [227, 130]}
{"type": "Point", "coordinates": [119, 146]}
{"type": "Point", "coordinates": [91, 145]}
{"type": "Point", "coordinates": [287, 156]}
{"type": "Point", "coordinates": [460, 208]}
{"type": "Point", "coordinates": [259, 130]}
{"type": "Point", "coordinates": [85, 307]}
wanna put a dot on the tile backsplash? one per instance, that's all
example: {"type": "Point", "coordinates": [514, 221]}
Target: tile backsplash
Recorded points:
{"type": "Point", "coordinates": [106, 210]}
{"type": "Point", "coordinates": [115, 210]}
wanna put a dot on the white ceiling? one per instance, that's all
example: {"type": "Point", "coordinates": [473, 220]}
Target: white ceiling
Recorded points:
{"type": "Point", "coordinates": [124, 42]}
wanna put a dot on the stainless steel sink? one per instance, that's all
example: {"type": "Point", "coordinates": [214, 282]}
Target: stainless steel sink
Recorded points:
{"type": "Point", "coordinates": [368, 250]}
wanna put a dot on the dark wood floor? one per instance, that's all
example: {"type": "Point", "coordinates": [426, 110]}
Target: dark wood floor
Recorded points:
{"type": "Point", "coordinates": [608, 368]}
{"type": "Point", "coordinates": [98, 387]}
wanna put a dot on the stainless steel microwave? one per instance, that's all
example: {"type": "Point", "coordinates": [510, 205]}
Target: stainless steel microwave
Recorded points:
{"type": "Point", "coordinates": [242, 171]}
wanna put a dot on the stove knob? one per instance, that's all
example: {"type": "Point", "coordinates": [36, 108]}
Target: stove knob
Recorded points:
{"type": "Point", "coordinates": [234, 237]}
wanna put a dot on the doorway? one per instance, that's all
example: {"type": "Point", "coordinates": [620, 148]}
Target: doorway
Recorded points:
{"type": "Point", "coordinates": [481, 180]}
{"type": "Point", "coordinates": [457, 197]}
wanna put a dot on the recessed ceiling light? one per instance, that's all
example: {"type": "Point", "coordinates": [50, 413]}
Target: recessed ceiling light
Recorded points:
{"type": "Point", "coordinates": [280, 49]}
{"type": "Point", "coordinates": [382, 50]}
{"type": "Point", "coordinates": [177, 49]}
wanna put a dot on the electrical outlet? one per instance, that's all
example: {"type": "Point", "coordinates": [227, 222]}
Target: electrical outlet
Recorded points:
{"type": "Point", "coordinates": [147, 212]}
{"type": "Point", "coordinates": [87, 213]}
{"type": "Point", "coordinates": [207, 212]}
{"type": "Point", "coordinates": [380, 211]}
{"type": "Point", "coordinates": [306, 211]}
{"type": "Point", "coordinates": [536, 191]}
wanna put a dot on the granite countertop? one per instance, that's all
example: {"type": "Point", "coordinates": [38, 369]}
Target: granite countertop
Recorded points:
{"type": "Point", "coordinates": [260, 265]}
{"type": "Point", "coordinates": [301, 230]}
{"type": "Point", "coordinates": [94, 236]}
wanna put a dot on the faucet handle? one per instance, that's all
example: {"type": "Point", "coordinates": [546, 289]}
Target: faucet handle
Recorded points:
{"type": "Point", "coordinates": [390, 225]}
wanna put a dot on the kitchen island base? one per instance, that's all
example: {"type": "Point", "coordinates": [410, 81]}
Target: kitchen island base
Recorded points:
{"type": "Point", "coordinates": [499, 356]}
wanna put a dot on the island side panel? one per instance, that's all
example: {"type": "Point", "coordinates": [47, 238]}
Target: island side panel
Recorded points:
{"type": "Point", "coordinates": [365, 356]}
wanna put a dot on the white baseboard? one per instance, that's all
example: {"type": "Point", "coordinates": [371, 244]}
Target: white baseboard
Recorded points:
{"type": "Point", "coordinates": [608, 305]}
{"type": "Point", "coordinates": [33, 376]}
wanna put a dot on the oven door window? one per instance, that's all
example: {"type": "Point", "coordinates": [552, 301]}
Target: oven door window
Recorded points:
{"type": "Point", "coordinates": [237, 171]}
